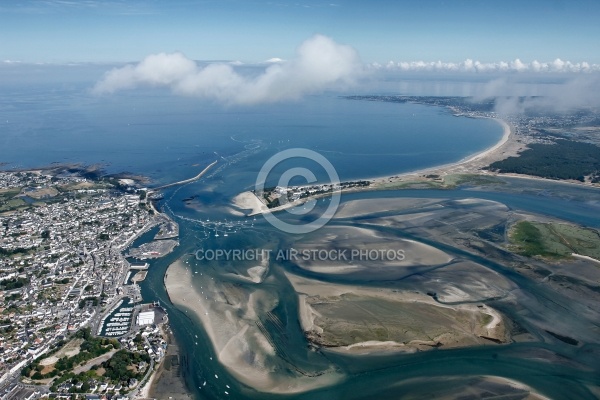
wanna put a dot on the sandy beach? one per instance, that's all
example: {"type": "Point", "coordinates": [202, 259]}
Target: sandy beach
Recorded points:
{"type": "Point", "coordinates": [229, 317]}
{"type": "Point", "coordinates": [587, 258]}
{"type": "Point", "coordinates": [439, 176]}
{"type": "Point", "coordinates": [507, 146]}
{"type": "Point", "coordinates": [249, 203]}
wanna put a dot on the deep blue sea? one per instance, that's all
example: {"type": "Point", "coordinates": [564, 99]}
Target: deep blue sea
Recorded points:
{"type": "Point", "coordinates": [168, 137]}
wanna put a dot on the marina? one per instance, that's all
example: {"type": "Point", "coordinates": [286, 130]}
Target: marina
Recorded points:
{"type": "Point", "coordinates": [118, 321]}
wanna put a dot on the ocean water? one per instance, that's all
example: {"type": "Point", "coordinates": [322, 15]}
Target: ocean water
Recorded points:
{"type": "Point", "coordinates": [169, 138]}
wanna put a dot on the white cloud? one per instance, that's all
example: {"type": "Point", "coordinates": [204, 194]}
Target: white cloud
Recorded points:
{"type": "Point", "coordinates": [579, 91]}
{"type": "Point", "coordinates": [469, 65]}
{"type": "Point", "coordinates": [274, 60]}
{"type": "Point", "coordinates": [320, 64]}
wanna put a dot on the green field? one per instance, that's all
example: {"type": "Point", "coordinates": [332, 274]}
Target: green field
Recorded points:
{"type": "Point", "coordinates": [12, 204]}
{"type": "Point", "coordinates": [554, 240]}
{"type": "Point", "coordinates": [411, 185]}
{"type": "Point", "coordinates": [454, 180]}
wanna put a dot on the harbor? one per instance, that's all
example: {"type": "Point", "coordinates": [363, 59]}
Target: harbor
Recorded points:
{"type": "Point", "coordinates": [127, 317]}
{"type": "Point", "coordinates": [118, 321]}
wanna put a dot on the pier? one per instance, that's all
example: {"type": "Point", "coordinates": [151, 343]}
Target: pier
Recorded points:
{"type": "Point", "coordinates": [187, 180]}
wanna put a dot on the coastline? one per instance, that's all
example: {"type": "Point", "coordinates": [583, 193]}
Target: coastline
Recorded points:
{"type": "Point", "coordinates": [431, 177]}
{"type": "Point", "coordinates": [587, 258]}
{"type": "Point", "coordinates": [507, 146]}
{"type": "Point", "coordinates": [166, 380]}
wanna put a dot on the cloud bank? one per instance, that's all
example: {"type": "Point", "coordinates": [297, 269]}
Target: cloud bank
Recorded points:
{"type": "Point", "coordinates": [320, 64]}
{"type": "Point", "coordinates": [579, 92]}
{"type": "Point", "coordinates": [557, 66]}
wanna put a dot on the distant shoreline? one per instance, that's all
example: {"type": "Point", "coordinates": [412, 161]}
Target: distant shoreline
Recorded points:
{"type": "Point", "coordinates": [505, 147]}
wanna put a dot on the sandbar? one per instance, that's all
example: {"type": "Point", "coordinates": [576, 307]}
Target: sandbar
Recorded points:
{"type": "Point", "coordinates": [248, 202]}
{"type": "Point", "coordinates": [229, 317]}
{"type": "Point", "coordinates": [365, 320]}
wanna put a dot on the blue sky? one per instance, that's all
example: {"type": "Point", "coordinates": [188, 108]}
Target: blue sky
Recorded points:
{"type": "Point", "coordinates": [255, 30]}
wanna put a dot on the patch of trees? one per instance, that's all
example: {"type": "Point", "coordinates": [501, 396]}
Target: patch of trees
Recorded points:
{"type": "Point", "coordinates": [10, 252]}
{"type": "Point", "coordinates": [12, 297]}
{"type": "Point", "coordinates": [91, 347]}
{"type": "Point", "coordinates": [529, 239]}
{"type": "Point", "coordinates": [116, 368]}
{"type": "Point", "coordinates": [93, 301]}
{"type": "Point", "coordinates": [273, 203]}
{"type": "Point", "coordinates": [13, 283]}
{"type": "Point", "coordinates": [355, 184]}
{"type": "Point", "coordinates": [566, 159]}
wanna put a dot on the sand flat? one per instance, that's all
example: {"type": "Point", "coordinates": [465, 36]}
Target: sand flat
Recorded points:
{"type": "Point", "coordinates": [364, 253]}
{"type": "Point", "coordinates": [228, 316]}
{"type": "Point", "coordinates": [355, 208]}
{"type": "Point", "coordinates": [248, 202]}
{"type": "Point", "coordinates": [363, 320]}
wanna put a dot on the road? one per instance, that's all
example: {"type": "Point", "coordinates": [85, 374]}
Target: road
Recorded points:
{"type": "Point", "coordinates": [94, 361]}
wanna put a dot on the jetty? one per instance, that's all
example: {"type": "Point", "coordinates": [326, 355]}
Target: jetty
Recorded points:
{"type": "Point", "coordinates": [183, 182]}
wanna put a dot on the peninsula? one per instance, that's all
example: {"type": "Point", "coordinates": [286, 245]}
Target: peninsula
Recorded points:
{"type": "Point", "coordinates": [527, 142]}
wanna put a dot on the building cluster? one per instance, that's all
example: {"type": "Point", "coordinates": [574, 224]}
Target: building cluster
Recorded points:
{"type": "Point", "coordinates": [280, 195]}
{"type": "Point", "coordinates": [96, 386]}
{"type": "Point", "coordinates": [61, 243]}
{"type": "Point", "coordinates": [149, 339]}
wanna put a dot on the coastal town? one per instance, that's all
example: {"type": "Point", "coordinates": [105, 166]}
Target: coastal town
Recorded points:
{"type": "Point", "coordinates": [279, 196]}
{"type": "Point", "coordinates": [70, 304]}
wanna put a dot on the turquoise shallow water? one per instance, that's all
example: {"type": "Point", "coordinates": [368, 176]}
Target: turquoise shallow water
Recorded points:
{"type": "Point", "coordinates": [392, 376]}
{"type": "Point", "coordinates": [169, 138]}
